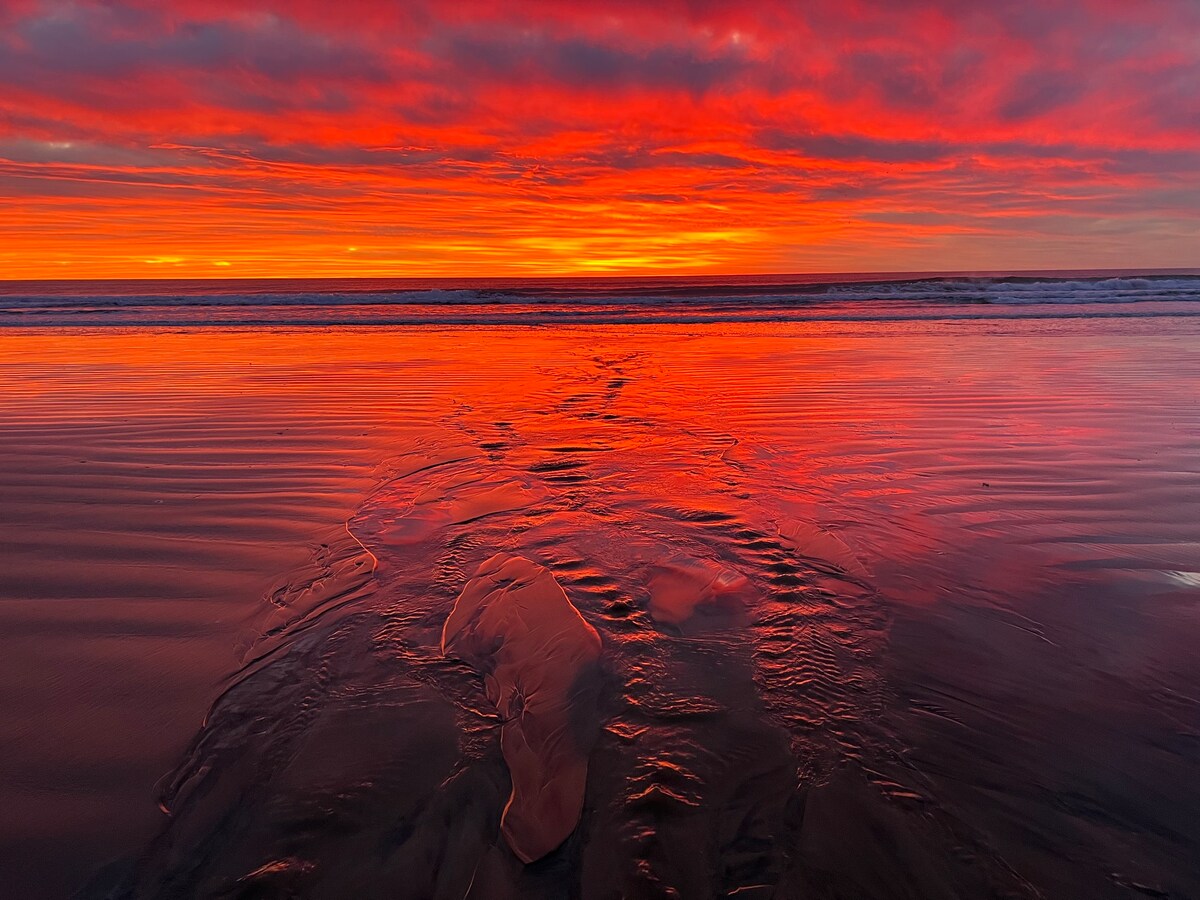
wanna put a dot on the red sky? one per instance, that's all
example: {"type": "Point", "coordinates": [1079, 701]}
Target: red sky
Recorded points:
{"type": "Point", "coordinates": [151, 138]}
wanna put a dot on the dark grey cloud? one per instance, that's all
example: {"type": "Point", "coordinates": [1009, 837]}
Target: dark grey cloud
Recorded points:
{"type": "Point", "coordinates": [114, 41]}
{"type": "Point", "coordinates": [851, 147]}
{"type": "Point", "coordinates": [536, 56]}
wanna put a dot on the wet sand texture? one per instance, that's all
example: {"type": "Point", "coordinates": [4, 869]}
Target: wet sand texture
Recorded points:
{"type": "Point", "coordinates": [540, 663]}
{"type": "Point", "coordinates": [892, 612]}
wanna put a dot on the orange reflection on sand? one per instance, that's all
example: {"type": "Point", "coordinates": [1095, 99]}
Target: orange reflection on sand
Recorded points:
{"type": "Point", "coordinates": [743, 513]}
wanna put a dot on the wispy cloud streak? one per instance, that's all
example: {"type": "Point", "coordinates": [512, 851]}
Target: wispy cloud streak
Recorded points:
{"type": "Point", "coordinates": [306, 138]}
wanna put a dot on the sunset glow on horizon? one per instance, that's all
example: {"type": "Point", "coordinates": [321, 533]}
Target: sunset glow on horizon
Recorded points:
{"type": "Point", "coordinates": [181, 138]}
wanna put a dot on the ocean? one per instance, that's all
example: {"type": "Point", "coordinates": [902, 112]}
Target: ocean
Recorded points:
{"type": "Point", "coordinates": [626, 301]}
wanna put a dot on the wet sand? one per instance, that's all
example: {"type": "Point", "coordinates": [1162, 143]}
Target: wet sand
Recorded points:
{"type": "Point", "coordinates": [898, 610]}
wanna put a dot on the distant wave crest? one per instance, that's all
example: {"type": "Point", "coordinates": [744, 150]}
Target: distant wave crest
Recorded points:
{"type": "Point", "coordinates": [595, 301]}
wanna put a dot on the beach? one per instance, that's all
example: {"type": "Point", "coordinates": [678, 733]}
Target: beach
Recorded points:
{"type": "Point", "coordinates": [599, 451]}
{"type": "Point", "coordinates": [895, 606]}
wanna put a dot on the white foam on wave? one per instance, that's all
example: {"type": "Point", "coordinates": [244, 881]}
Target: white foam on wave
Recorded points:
{"type": "Point", "coordinates": [987, 290]}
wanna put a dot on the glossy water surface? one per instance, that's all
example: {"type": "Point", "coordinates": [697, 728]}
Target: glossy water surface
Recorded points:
{"type": "Point", "coordinates": [885, 609]}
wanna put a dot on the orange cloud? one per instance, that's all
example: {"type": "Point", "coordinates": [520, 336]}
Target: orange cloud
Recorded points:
{"type": "Point", "coordinates": [540, 137]}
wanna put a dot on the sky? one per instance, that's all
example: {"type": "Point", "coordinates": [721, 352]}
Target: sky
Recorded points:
{"type": "Point", "coordinates": [291, 138]}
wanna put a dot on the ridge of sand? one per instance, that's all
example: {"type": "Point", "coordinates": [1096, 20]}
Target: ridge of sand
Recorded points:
{"type": "Point", "coordinates": [539, 659]}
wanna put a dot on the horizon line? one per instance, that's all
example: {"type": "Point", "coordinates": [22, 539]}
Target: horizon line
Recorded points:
{"type": "Point", "coordinates": [912, 273]}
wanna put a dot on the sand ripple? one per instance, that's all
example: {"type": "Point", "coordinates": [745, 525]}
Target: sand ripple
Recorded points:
{"type": "Point", "coordinates": [876, 618]}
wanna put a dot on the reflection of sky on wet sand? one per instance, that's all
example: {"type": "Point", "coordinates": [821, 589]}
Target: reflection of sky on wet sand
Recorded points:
{"type": "Point", "coordinates": [956, 662]}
